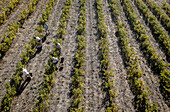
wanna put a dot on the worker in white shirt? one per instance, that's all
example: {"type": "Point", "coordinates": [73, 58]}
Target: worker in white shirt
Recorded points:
{"type": "Point", "coordinates": [37, 39]}
{"type": "Point", "coordinates": [59, 48]}
{"type": "Point", "coordinates": [26, 77]}
{"type": "Point", "coordinates": [26, 73]}
{"type": "Point", "coordinates": [39, 43]}
{"type": "Point", "coordinates": [55, 61]}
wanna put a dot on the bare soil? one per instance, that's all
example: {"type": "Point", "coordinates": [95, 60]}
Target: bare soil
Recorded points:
{"type": "Point", "coordinates": [3, 4]}
{"type": "Point", "coordinates": [13, 17]}
{"type": "Point", "coordinates": [124, 98]}
{"type": "Point", "coordinates": [37, 65]}
{"type": "Point", "coordinates": [93, 90]}
{"type": "Point", "coordinates": [12, 57]}
{"type": "Point", "coordinates": [166, 31]}
{"type": "Point", "coordinates": [60, 98]}
{"type": "Point", "coordinates": [151, 79]}
{"type": "Point", "coordinates": [160, 1]}
{"type": "Point", "coordinates": [60, 95]}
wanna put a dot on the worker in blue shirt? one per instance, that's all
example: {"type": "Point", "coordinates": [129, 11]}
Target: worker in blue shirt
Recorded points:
{"type": "Point", "coordinates": [46, 28]}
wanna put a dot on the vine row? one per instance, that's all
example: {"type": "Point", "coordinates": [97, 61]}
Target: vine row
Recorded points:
{"type": "Point", "coordinates": [155, 62]}
{"type": "Point", "coordinates": [104, 56]}
{"type": "Point", "coordinates": [12, 88]}
{"type": "Point", "coordinates": [157, 11]}
{"type": "Point", "coordinates": [158, 32]}
{"type": "Point", "coordinates": [13, 28]}
{"type": "Point", "coordinates": [78, 85]}
{"type": "Point", "coordinates": [65, 15]}
{"type": "Point", "coordinates": [134, 72]}
{"type": "Point", "coordinates": [166, 8]}
{"type": "Point", "coordinates": [42, 101]}
{"type": "Point", "coordinates": [8, 10]}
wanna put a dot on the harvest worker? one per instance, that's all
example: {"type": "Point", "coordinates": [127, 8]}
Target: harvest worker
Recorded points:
{"type": "Point", "coordinates": [27, 76]}
{"type": "Point", "coordinates": [26, 73]}
{"type": "Point", "coordinates": [59, 48]}
{"type": "Point", "coordinates": [55, 61]}
{"type": "Point", "coordinates": [39, 45]}
{"type": "Point", "coordinates": [46, 27]}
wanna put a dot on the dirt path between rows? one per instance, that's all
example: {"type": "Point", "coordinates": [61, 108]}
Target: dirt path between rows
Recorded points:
{"type": "Point", "coordinates": [93, 83]}
{"type": "Point", "coordinates": [13, 17]}
{"type": "Point", "coordinates": [53, 96]}
{"type": "Point", "coordinates": [3, 4]}
{"type": "Point", "coordinates": [12, 57]}
{"type": "Point", "coordinates": [159, 2]}
{"type": "Point", "coordinates": [151, 12]}
{"type": "Point", "coordinates": [167, 1]}
{"type": "Point", "coordinates": [149, 77]}
{"type": "Point", "coordinates": [26, 101]}
{"type": "Point", "coordinates": [154, 43]}
{"type": "Point", "coordinates": [125, 97]}
{"type": "Point", "coordinates": [60, 99]}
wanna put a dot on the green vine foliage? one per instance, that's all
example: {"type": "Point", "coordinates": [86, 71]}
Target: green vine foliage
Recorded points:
{"type": "Point", "coordinates": [166, 8]}
{"type": "Point", "coordinates": [157, 11]}
{"type": "Point", "coordinates": [158, 32]}
{"type": "Point", "coordinates": [13, 28]}
{"type": "Point", "coordinates": [77, 82]}
{"type": "Point", "coordinates": [155, 62]}
{"type": "Point", "coordinates": [104, 56]}
{"type": "Point", "coordinates": [30, 50]}
{"type": "Point", "coordinates": [8, 10]}
{"type": "Point", "coordinates": [42, 101]}
{"type": "Point", "coordinates": [132, 63]}
{"type": "Point", "coordinates": [65, 15]}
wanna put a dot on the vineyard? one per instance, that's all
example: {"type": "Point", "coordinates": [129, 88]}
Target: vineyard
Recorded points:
{"type": "Point", "coordinates": [116, 55]}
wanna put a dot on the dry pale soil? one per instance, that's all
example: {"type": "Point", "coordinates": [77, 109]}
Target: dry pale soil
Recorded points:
{"type": "Point", "coordinates": [94, 96]}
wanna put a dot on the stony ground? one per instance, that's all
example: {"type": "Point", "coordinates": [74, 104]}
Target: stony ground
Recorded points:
{"type": "Point", "coordinates": [95, 97]}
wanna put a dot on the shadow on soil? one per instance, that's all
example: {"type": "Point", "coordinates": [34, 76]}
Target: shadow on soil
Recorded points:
{"type": "Point", "coordinates": [22, 86]}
